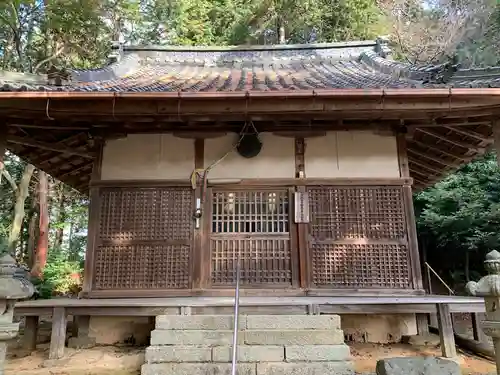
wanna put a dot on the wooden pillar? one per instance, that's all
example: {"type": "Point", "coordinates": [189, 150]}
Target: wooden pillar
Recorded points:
{"type": "Point", "coordinates": [80, 333]}
{"type": "Point", "coordinates": [446, 334]}
{"type": "Point", "coordinates": [477, 331]}
{"type": "Point", "coordinates": [304, 266]}
{"type": "Point", "coordinates": [199, 270]}
{"type": "Point", "coordinates": [422, 324]}
{"type": "Point", "coordinates": [93, 224]}
{"type": "Point", "coordinates": [410, 213]}
{"type": "Point", "coordinates": [58, 335]}
{"type": "Point", "coordinates": [30, 333]}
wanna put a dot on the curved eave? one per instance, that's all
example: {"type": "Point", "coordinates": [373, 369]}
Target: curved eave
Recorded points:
{"type": "Point", "coordinates": [446, 127]}
{"type": "Point", "coordinates": [333, 94]}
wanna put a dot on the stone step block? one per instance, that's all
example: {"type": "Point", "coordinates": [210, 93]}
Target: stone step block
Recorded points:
{"type": "Point", "coordinates": [249, 353]}
{"type": "Point", "coordinates": [317, 353]}
{"type": "Point", "coordinates": [280, 322]}
{"type": "Point", "coordinates": [294, 337]}
{"type": "Point", "coordinates": [310, 368]}
{"type": "Point", "coordinates": [197, 369]}
{"type": "Point", "coordinates": [178, 353]}
{"type": "Point", "coordinates": [193, 337]}
{"type": "Point", "coordinates": [199, 322]}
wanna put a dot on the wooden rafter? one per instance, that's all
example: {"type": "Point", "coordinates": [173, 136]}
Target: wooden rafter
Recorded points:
{"type": "Point", "coordinates": [437, 149]}
{"type": "Point", "coordinates": [471, 134]}
{"type": "Point", "coordinates": [75, 169]}
{"type": "Point", "coordinates": [425, 166]}
{"type": "Point", "coordinates": [56, 147]}
{"type": "Point", "coordinates": [429, 157]}
{"type": "Point", "coordinates": [467, 146]}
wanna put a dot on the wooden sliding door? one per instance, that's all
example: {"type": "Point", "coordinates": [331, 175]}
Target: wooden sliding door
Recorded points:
{"type": "Point", "coordinates": [254, 225]}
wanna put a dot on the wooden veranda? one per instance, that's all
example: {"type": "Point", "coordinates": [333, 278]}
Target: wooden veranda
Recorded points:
{"type": "Point", "coordinates": [81, 309]}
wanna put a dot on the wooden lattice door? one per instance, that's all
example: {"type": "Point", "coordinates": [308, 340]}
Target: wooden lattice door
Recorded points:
{"type": "Point", "coordinates": [144, 239]}
{"type": "Point", "coordinates": [255, 224]}
{"type": "Point", "coordinates": [358, 237]}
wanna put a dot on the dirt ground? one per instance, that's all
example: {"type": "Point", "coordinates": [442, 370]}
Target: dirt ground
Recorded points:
{"type": "Point", "coordinates": [127, 361]}
{"type": "Point", "coordinates": [111, 360]}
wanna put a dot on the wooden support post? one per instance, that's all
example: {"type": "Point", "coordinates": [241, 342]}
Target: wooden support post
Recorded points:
{"type": "Point", "coordinates": [30, 333]}
{"type": "Point", "coordinates": [93, 222]}
{"type": "Point", "coordinates": [411, 227]}
{"type": "Point", "coordinates": [422, 324]}
{"type": "Point", "coordinates": [446, 334]}
{"type": "Point", "coordinates": [58, 336]}
{"type": "Point", "coordinates": [3, 146]}
{"type": "Point", "coordinates": [199, 270]}
{"type": "Point", "coordinates": [477, 331]}
{"type": "Point", "coordinates": [83, 325]}
{"type": "Point", "coordinates": [80, 336]}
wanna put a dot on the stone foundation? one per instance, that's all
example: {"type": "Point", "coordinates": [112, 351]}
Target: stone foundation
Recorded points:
{"type": "Point", "coordinates": [268, 345]}
{"type": "Point", "coordinates": [116, 330]}
{"type": "Point", "coordinates": [381, 329]}
{"type": "Point", "coordinates": [112, 330]}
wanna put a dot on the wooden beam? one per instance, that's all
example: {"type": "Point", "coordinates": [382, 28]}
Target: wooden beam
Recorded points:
{"type": "Point", "coordinates": [48, 127]}
{"type": "Point", "coordinates": [446, 334]}
{"type": "Point", "coordinates": [56, 147]}
{"type": "Point", "coordinates": [443, 138]}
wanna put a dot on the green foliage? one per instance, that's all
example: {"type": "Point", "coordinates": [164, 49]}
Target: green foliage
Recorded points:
{"type": "Point", "coordinates": [61, 277]}
{"type": "Point", "coordinates": [459, 217]}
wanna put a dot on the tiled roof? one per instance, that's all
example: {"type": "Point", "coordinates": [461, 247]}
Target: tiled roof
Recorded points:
{"type": "Point", "coordinates": [347, 65]}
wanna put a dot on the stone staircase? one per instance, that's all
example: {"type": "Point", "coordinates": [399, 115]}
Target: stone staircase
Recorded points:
{"type": "Point", "coordinates": [268, 345]}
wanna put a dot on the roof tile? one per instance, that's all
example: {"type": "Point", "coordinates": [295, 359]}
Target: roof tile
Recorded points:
{"type": "Point", "coordinates": [258, 68]}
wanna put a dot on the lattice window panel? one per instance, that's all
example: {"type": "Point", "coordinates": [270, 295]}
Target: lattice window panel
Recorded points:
{"type": "Point", "coordinates": [146, 214]}
{"type": "Point", "coordinates": [142, 267]}
{"type": "Point", "coordinates": [341, 213]}
{"type": "Point", "coordinates": [145, 238]}
{"type": "Point", "coordinates": [255, 225]}
{"type": "Point", "coordinates": [361, 266]}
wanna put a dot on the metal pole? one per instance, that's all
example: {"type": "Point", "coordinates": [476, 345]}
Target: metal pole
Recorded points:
{"type": "Point", "coordinates": [236, 311]}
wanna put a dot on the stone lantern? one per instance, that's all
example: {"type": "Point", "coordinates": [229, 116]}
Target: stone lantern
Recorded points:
{"type": "Point", "coordinates": [13, 287]}
{"type": "Point", "coordinates": [489, 288]}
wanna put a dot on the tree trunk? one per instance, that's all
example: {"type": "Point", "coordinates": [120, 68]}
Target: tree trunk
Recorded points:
{"type": "Point", "coordinates": [32, 235]}
{"type": "Point", "coordinates": [22, 194]}
{"type": "Point", "coordinates": [3, 147]}
{"type": "Point", "coordinates": [467, 269]}
{"type": "Point", "coordinates": [43, 238]}
{"type": "Point", "coordinates": [281, 32]}
{"type": "Point", "coordinates": [61, 217]}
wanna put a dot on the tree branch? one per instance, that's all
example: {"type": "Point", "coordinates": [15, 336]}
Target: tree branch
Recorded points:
{"type": "Point", "coordinates": [9, 178]}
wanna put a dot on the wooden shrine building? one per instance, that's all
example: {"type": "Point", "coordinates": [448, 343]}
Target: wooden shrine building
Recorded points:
{"type": "Point", "coordinates": [298, 160]}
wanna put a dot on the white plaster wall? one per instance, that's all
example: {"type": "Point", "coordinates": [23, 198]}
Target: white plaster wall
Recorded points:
{"type": "Point", "coordinates": [351, 154]}
{"type": "Point", "coordinates": [336, 155]}
{"type": "Point", "coordinates": [148, 157]}
{"type": "Point", "coordinates": [276, 159]}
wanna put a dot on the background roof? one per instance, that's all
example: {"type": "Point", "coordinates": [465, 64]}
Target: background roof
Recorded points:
{"type": "Point", "coordinates": [349, 65]}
